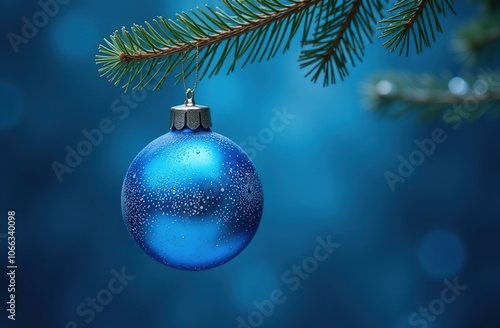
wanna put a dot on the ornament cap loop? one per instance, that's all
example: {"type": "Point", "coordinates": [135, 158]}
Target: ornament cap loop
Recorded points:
{"type": "Point", "coordinates": [189, 98]}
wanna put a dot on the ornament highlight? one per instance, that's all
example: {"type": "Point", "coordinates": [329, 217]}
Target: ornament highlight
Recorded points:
{"type": "Point", "coordinates": [192, 199]}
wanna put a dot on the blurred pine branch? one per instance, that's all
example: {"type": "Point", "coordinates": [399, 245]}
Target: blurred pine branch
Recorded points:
{"type": "Point", "coordinates": [479, 40]}
{"type": "Point", "coordinates": [393, 95]}
{"type": "Point", "coordinates": [477, 43]}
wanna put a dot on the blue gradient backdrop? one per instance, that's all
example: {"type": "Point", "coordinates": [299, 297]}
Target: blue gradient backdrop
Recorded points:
{"type": "Point", "coordinates": [323, 175]}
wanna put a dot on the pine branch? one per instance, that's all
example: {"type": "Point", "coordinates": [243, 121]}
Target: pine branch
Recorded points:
{"type": "Point", "coordinates": [208, 40]}
{"type": "Point", "coordinates": [340, 40]}
{"type": "Point", "coordinates": [244, 32]}
{"type": "Point", "coordinates": [415, 20]}
{"type": "Point", "coordinates": [247, 31]}
{"type": "Point", "coordinates": [152, 53]}
{"type": "Point", "coordinates": [398, 94]}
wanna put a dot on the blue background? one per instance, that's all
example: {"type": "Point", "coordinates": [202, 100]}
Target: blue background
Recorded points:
{"type": "Point", "coordinates": [323, 175]}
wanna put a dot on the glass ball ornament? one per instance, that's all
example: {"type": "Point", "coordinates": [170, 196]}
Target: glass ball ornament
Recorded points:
{"type": "Point", "coordinates": [192, 199]}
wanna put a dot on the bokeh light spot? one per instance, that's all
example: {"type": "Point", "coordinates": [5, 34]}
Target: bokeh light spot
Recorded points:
{"type": "Point", "coordinates": [384, 87]}
{"type": "Point", "coordinates": [441, 254]}
{"type": "Point", "coordinates": [12, 104]}
{"type": "Point", "coordinates": [75, 36]}
{"type": "Point", "coordinates": [458, 86]}
{"type": "Point", "coordinates": [254, 284]}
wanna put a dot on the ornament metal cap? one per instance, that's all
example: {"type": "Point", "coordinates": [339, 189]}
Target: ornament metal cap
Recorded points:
{"type": "Point", "coordinates": [190, 115]}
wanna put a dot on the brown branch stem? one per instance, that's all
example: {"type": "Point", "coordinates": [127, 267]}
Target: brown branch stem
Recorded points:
{"type": "Point", "coordinates": [416, 14]}
{"type": "Point", "coordinates": [343, 29]}
{"type": "Point", "coordinates": [222, 36]}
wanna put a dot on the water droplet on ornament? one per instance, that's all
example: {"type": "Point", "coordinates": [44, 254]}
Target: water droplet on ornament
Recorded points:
{"type": "Point", "coordinates": [190, 207]}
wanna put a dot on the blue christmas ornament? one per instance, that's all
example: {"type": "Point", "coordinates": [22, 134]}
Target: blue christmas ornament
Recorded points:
{"type": "Point", "coordinates": [192, 199]}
